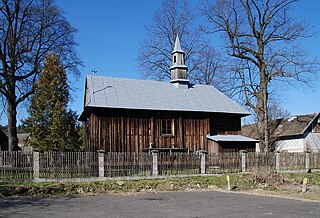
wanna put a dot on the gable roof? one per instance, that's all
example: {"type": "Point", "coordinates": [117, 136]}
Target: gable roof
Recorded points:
{"type": "Point", "coordinates": [109, 92]}
{"type": "Point", "coordinates": [291, 126]}
{"type": "Point", "coordinates": [296, 125]}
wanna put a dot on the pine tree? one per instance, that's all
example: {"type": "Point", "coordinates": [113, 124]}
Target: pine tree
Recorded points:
{"type": "Point", "coordinates": [52, 126]}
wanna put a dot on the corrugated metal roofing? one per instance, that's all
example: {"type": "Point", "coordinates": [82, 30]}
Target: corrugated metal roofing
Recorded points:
{"type": "Point", "coordinates": [109, 92]}
{"type": "Point", "coordinates": [231, 138]}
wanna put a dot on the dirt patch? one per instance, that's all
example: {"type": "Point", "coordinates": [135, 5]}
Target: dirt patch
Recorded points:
{"type": "Point", "coordinates": [287, 185]}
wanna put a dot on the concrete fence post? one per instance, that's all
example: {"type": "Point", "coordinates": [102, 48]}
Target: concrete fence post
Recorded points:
{"type": "Point", "coordinates": [307, 161]}
{"type": "Point", "coordinates": [203, 162]}
{"type": "Point", "coordinates": [277, 160]}
{"type": "Point", "coordinates": [101, 163]}
{"type": "Point", "coordinates": [155, 171]}
{"type": "Point", "coordinates": [36, 164]}
{"type": "Point", "coordinates": [243, 154]}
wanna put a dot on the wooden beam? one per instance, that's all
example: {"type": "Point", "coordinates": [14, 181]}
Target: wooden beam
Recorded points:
{"type": "Point", "coordinates": [181, 135]}
{"type": "Point", "coordinates": [152, 131]}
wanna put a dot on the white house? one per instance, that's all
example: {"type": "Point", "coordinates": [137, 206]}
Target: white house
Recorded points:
{"type": "Point", "coordinates": [294, 134]}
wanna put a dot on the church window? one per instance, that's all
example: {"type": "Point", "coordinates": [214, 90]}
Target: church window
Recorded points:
{"type": "Point", "coordinates": [167, 127]}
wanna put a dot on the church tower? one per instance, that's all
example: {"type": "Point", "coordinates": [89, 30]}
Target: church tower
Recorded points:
{"type": "Point", "coordinates": [178, 69]}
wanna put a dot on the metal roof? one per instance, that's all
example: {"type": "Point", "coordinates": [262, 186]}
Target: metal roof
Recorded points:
{"type": "Point", "coordinates": [177, 46]}
{"type": "Point", "coordinates": [109, 92]}
{"type": "Point", "coordinates": [231, 138]}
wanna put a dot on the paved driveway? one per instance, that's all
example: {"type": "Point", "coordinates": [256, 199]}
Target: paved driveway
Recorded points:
{"type": "Point", "coordinates": [170, 204]}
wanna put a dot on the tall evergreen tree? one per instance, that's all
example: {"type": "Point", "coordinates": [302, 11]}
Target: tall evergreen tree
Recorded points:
{"type": "Point", "coordinates": [29, 30]}
{"type": "Point", "coordinates": [52, 126]}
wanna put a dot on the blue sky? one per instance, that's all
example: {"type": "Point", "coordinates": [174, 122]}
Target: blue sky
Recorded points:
{"type": "Point", "coordinates": [108, 36]}
{"type": "Point", "coordinates": [109, 32]}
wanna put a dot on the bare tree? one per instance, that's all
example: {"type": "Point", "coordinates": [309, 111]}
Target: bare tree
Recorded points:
{"type": "Point", "coordinates": [276, 114]}
{"type": "Point", "coordinates": [205, 63]}
{"type": "Point", "coordinates": [263, 36]}
{"type": "Point", "coordinates": [29, 30]}
{"type": "Point", "coordinates": [211, 69]}
{"type": "Point", "coordinates": [175, 17]}
{"type": "Point", "coordinates": [209, 64]}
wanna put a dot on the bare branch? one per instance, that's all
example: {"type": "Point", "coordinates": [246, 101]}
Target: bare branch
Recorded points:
{"type": "Point", "coordinates": [261, 34]}
{"type": "Point", "coordinates": [29, 30]}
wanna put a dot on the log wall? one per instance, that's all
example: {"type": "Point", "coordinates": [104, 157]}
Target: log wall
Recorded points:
{"type": "Point", "coordinates": [127, 132]}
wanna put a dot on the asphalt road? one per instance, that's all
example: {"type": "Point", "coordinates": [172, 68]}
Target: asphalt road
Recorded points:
{"type": "Point", "coordinates": [170, 204]}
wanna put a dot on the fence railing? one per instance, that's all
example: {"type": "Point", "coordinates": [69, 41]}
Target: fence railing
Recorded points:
{"type": "Point", "coordinates": [223, 163]}
{"type": "Point", "coordinates": [260, 161]}
{"type": "Point", "coordinates": [178, 163]}
{"type": "Point", "coordinates": [16, 165]}
{"type": "Point", "coordinates": [314, 160]}
{"type": "Point", "coordinates": [70, 165]}
{"type": "Point", "coordinates": [127, 164]}
{"type": "Point", "coordinates": [292, 161]}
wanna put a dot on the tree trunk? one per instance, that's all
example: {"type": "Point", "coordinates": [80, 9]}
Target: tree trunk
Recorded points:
{"type": "Point", "coordinates": [266, 119]}
{"type": "Point", "coordinates": [12, 126]}
{"type": "Point", "coordinates": [262, 114]}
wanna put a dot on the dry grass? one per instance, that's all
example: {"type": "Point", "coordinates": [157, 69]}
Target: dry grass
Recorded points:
{"type": "Point", "coordinates": [263, 183]}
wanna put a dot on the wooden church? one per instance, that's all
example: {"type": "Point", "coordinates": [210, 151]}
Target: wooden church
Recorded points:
{"type": "Point", "coordinates": [129, 115]}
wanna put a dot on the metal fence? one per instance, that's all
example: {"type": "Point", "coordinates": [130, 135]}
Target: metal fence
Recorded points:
{"type": "Point", "coordinates": [68, 164]}
{"type": "Point", "coordinates": [315, 160]}
{"type": "Point", "coordinates": [260, 161]}
{"type": "Point", "coordinates": [65, 165]}
{"type": "Point", "coordinates": [223, 163]}
{"type": "Point", "coordinates": [292, 161]}
{"type": "Point", "coordinates": [127, 164]}
{"type": "Point", "coordinates": [178, 163]}
{"type": "Point", "coordinates": [16, 165]}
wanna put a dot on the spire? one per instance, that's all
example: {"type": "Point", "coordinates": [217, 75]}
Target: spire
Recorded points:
{"type": "Point", "coordinates": [178, 69]}
{"type": "Point", "coordinates": [177, 46]}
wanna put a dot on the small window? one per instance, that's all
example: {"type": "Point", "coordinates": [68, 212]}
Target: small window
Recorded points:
{"type": "Point", "coordinates": [174, 59]}
{"type": "Point", "coordinates": [167, 127]}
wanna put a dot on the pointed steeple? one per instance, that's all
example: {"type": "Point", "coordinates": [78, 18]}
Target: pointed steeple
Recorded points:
{"type": "Point", "coordinates": [177, 46]}
{"type": "Point", "coordinates": [178, 69]}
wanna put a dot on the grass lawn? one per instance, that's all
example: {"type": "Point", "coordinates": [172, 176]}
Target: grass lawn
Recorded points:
{"type": "Point", "coordinates": [267, 183]}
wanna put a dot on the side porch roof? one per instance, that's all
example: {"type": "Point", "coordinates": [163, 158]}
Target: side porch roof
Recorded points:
{"type": "Point", "coordinates": [230, 138]}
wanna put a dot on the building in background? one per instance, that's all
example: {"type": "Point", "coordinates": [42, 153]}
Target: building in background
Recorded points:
{"type": "Point", "coordinates": [294, 134]}
{"type": "Point", "coordinates": [23, 142]}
